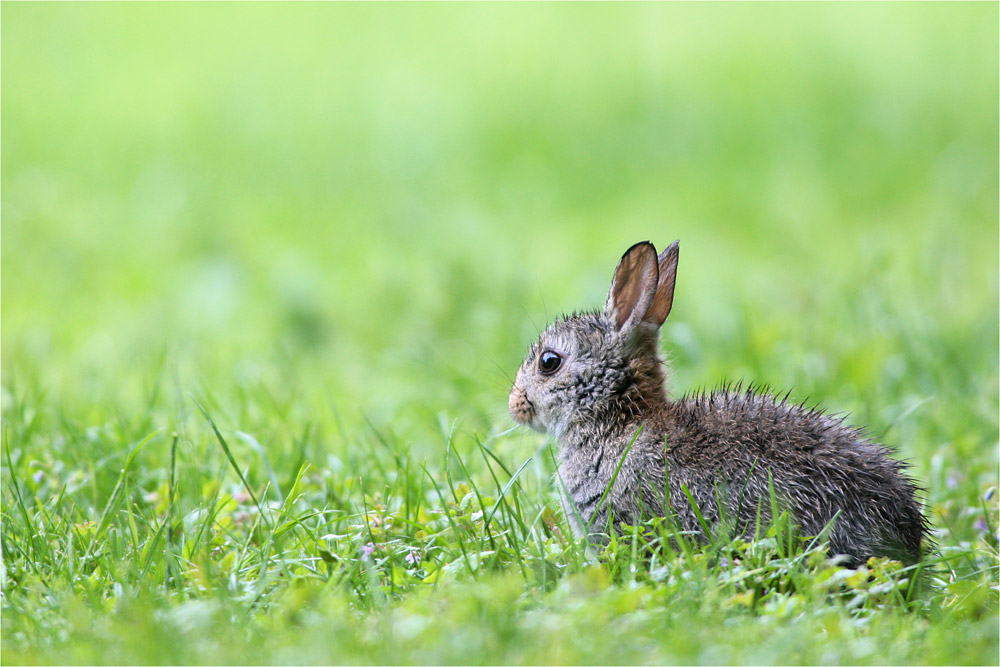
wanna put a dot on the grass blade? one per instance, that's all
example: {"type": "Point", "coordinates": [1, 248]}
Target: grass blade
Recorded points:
{"type": "Point", "coordinates": [232, 461]}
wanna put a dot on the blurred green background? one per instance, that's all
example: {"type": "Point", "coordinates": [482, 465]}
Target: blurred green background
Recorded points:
{"type": "Point", "coordinates": [390, 200]}
{"type": "Point", "coordinates": [380, 205]}
{"type": "Point", "coordinates": [316, 218]}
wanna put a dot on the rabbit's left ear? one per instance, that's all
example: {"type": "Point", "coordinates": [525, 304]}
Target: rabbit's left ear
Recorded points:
{"type": "Point", "coordinates": [664, 298]}
{"type": "Point", "coordinates": [633, 287]}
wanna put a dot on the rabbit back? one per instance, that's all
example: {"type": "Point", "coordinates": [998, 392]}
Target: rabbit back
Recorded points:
{"type": "Point", "coordinates": [737, 445]}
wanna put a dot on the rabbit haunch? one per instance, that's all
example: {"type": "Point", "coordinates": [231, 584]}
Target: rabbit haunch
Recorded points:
{"type": "Point", "coordinates": [595, 380]}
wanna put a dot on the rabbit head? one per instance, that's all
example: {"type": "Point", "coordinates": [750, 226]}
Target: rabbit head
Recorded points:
{"type": "Point", "coordinates": [601, 367]}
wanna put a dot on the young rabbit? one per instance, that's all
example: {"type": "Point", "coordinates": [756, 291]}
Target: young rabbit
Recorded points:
{"type": "Point", "coordinates": [593, 381]}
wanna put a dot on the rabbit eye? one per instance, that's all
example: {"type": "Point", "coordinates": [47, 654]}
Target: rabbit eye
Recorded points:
{"type": "Point", "coordinates": [549, 362]}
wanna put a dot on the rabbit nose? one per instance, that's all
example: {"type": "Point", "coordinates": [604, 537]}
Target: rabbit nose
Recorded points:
{"type": "Point", "coordinates": [520, 407]}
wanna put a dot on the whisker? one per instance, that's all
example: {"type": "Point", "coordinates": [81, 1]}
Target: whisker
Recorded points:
{"type": "Point", "coordinates": [541, 295]}
{"type": "Point", "coordinates": [502, 370]}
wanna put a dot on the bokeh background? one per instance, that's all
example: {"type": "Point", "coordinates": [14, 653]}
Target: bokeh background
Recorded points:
{"type": "Point", "coordinates": [372, 209]}
{"type": "Point", "coordinates": [339, 226]}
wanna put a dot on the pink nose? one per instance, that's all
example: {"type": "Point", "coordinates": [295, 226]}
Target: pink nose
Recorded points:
{"type": "Point", "coordinates": [519, 405]}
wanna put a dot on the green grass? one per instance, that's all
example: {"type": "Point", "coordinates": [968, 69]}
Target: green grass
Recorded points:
{"type": "Point", "coordinates": [267, 272]}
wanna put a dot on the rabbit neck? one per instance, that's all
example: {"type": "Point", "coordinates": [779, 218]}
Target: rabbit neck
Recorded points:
{"type": "Point", "coordinates": [615, 422]}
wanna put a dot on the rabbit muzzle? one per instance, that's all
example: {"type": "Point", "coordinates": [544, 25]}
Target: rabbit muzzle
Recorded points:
{"type": "Point", "coordinates": [520, 407]}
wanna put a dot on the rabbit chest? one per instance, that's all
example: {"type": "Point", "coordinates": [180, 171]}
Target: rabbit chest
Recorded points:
{"type": "Point", "coordinates": [606, 483]}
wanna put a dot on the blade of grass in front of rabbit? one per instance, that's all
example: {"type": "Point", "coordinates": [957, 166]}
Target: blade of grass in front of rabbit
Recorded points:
{"type": "Point", "coordinates": [722, 527]}
{"type": "Point", "coordinates": [739, 505]}
{"type": "Point", "coordinates": [607, 489]}
{"type": "Point", "coordinates": [579, 542]}
{"type": "Point", "coordinates": [697, 510]}
{"type": "Point", "coordinates": [774, 513]}
{"type": "Point", "coordinates": [676, 531]}
{"type": "Point", "coordinates": [756, 528]}
{"type": "Point", "coordinates": [667, 509]}
{"type": "Point", "coordinates": [634, 555]}
{"type": "Point", "coordinates": [824, 532]}
{"type": "Point", "coordinates": [669, 525]}
{"type": "Point", "coordinates": [636, 531]}
{"type": "Point", "coordinates": [564, 492]}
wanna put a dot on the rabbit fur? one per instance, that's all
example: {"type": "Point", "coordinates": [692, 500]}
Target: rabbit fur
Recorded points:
{"type": "Point", "coordinates": [728, 449]}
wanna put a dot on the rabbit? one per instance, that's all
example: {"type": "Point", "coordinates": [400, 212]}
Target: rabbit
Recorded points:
{"type": "Point", "coordinates": [595, 382]}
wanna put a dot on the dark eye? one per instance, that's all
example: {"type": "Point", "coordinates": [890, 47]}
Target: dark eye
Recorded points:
{"type": "Point", "coordinates": [549, 362]}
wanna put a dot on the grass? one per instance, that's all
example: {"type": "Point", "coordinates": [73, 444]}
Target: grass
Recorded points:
{"type": "Point", "coordinates": [267, 271]}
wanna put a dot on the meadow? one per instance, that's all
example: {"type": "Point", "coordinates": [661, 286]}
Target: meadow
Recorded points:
{"type": "Point", "coordinates": [268, 271]}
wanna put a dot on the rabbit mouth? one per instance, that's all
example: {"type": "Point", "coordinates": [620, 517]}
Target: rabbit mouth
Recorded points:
{"type": "Point", "coordinates": [520, 407]}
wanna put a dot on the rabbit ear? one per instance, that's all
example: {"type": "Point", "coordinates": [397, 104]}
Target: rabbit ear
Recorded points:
{"type": "Point", "coordinates": [664, 297]}
{"type": "Point", "coordinates": [633, 286]}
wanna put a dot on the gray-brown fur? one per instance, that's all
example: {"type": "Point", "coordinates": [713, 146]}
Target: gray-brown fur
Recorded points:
{"type": "Point", "coordinates": [723, 446]}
